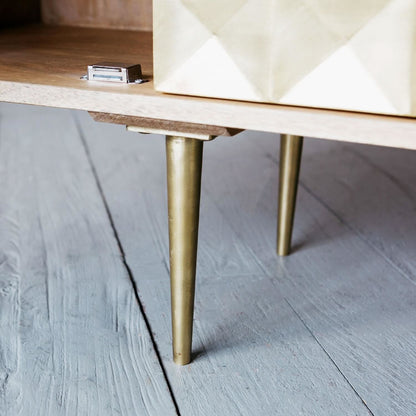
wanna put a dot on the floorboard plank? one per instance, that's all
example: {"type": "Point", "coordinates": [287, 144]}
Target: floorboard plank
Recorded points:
{"type": "Point", "coordinates": [374, 191]}
{"type": "Point", "coordinates": [254, 354]}
{"type": "Point", "coordinates": [72, 338]}
{"type": "Point", "coordinates": [344, 279]}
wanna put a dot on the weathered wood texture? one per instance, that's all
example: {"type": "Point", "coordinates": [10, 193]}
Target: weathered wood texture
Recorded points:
{"type": "Point", "coordinates": [19, 12]}
{"type": "Point", "coordinates": [72, 337]}
{"type": "Point", "coordinates": [351, 295]}
{"type": "Point", "coordinates": [164, 125]}
{"type": "Point", "coordinates": [48, 62]}
{"type": "Point", "coordinates": [254, 355]}
{"type": "Point", "coordinates": [350, 279]}
{"type": "Point", "coordinates": [314, 333]}
{"type": "Point", "coordinates": [375, 192]}
{"type": "Point", "coordinates": [116, 14]}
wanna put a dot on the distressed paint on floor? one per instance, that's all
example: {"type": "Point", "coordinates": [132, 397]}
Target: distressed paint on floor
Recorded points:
{"type": "Point", "coordinates": [329, 330]}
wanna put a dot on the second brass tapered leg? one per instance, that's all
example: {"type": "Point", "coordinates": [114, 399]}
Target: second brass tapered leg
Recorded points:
{"type": "Point", "coordinates": [184, 164]}
{"type": "Point", "coordinates": [290, 158]}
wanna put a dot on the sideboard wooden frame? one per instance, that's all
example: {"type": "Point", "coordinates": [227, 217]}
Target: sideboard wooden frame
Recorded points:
{"type": "Point", "coordinates": [42, 65]}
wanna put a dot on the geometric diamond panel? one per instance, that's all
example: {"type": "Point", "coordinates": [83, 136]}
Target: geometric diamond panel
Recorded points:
{"type": "Point", "coordinates": [343, 54]}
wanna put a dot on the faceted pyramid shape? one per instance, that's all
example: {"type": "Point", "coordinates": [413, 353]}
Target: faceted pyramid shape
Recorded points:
{"type": "Point", "coordinates": [353, 55]}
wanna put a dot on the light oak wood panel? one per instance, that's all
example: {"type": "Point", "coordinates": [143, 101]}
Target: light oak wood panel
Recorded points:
{"type": "Point", "coordinates": [48, 61]}
{"type": "Point", "coordinates": [117, 14]}
{"type": "Point", "coordinates": [72, 337]}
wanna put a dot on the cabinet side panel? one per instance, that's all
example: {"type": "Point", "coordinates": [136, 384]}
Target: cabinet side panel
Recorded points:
{"type": "Point", "coordinates": [117, 14]}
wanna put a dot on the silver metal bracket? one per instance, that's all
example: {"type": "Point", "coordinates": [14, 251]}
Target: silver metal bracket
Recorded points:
{"type": "Point", "coordinates": [115, 72]}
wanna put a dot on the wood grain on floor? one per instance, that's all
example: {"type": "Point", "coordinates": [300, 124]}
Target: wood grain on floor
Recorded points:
{"type": "Point", "coordinates": [73, 340]}
{"type": "Point", "coordinates": [329, 330]}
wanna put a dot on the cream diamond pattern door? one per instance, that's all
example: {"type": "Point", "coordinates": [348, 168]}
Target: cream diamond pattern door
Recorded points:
{"type": "Point", "coordinates": [354, 55]}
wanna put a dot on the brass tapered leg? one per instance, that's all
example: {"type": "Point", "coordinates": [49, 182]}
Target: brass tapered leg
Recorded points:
{"type": "Point", "coordinates": [184, 165]}
{"type": "Point", "coordinates": [290, 157]}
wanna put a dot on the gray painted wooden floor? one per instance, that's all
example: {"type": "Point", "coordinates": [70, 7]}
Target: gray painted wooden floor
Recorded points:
{"type": "Point", "coordinates": [84, 284]}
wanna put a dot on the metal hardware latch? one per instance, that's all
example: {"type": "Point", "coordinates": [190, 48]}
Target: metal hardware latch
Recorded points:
{"type": "Point", "coordinates": [115, 72]}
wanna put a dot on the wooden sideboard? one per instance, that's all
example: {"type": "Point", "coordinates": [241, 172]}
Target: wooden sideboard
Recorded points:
{"type": "Point", "coordinates": [42, 65]}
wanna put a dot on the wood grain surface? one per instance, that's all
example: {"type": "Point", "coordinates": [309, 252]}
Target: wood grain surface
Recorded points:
{"type": "Point", "coordinates": [329, 330]}
{"type": "Point", "coordinates": [355, 297]}
{"type": "Point", "coordinates": [116, 14]}
{"type": "Point", "coordinates": [73, 340]}
{"type": "Point", "coordinates": [47, 63]}
{"type": "Point", "coordinates": [164, 125]}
